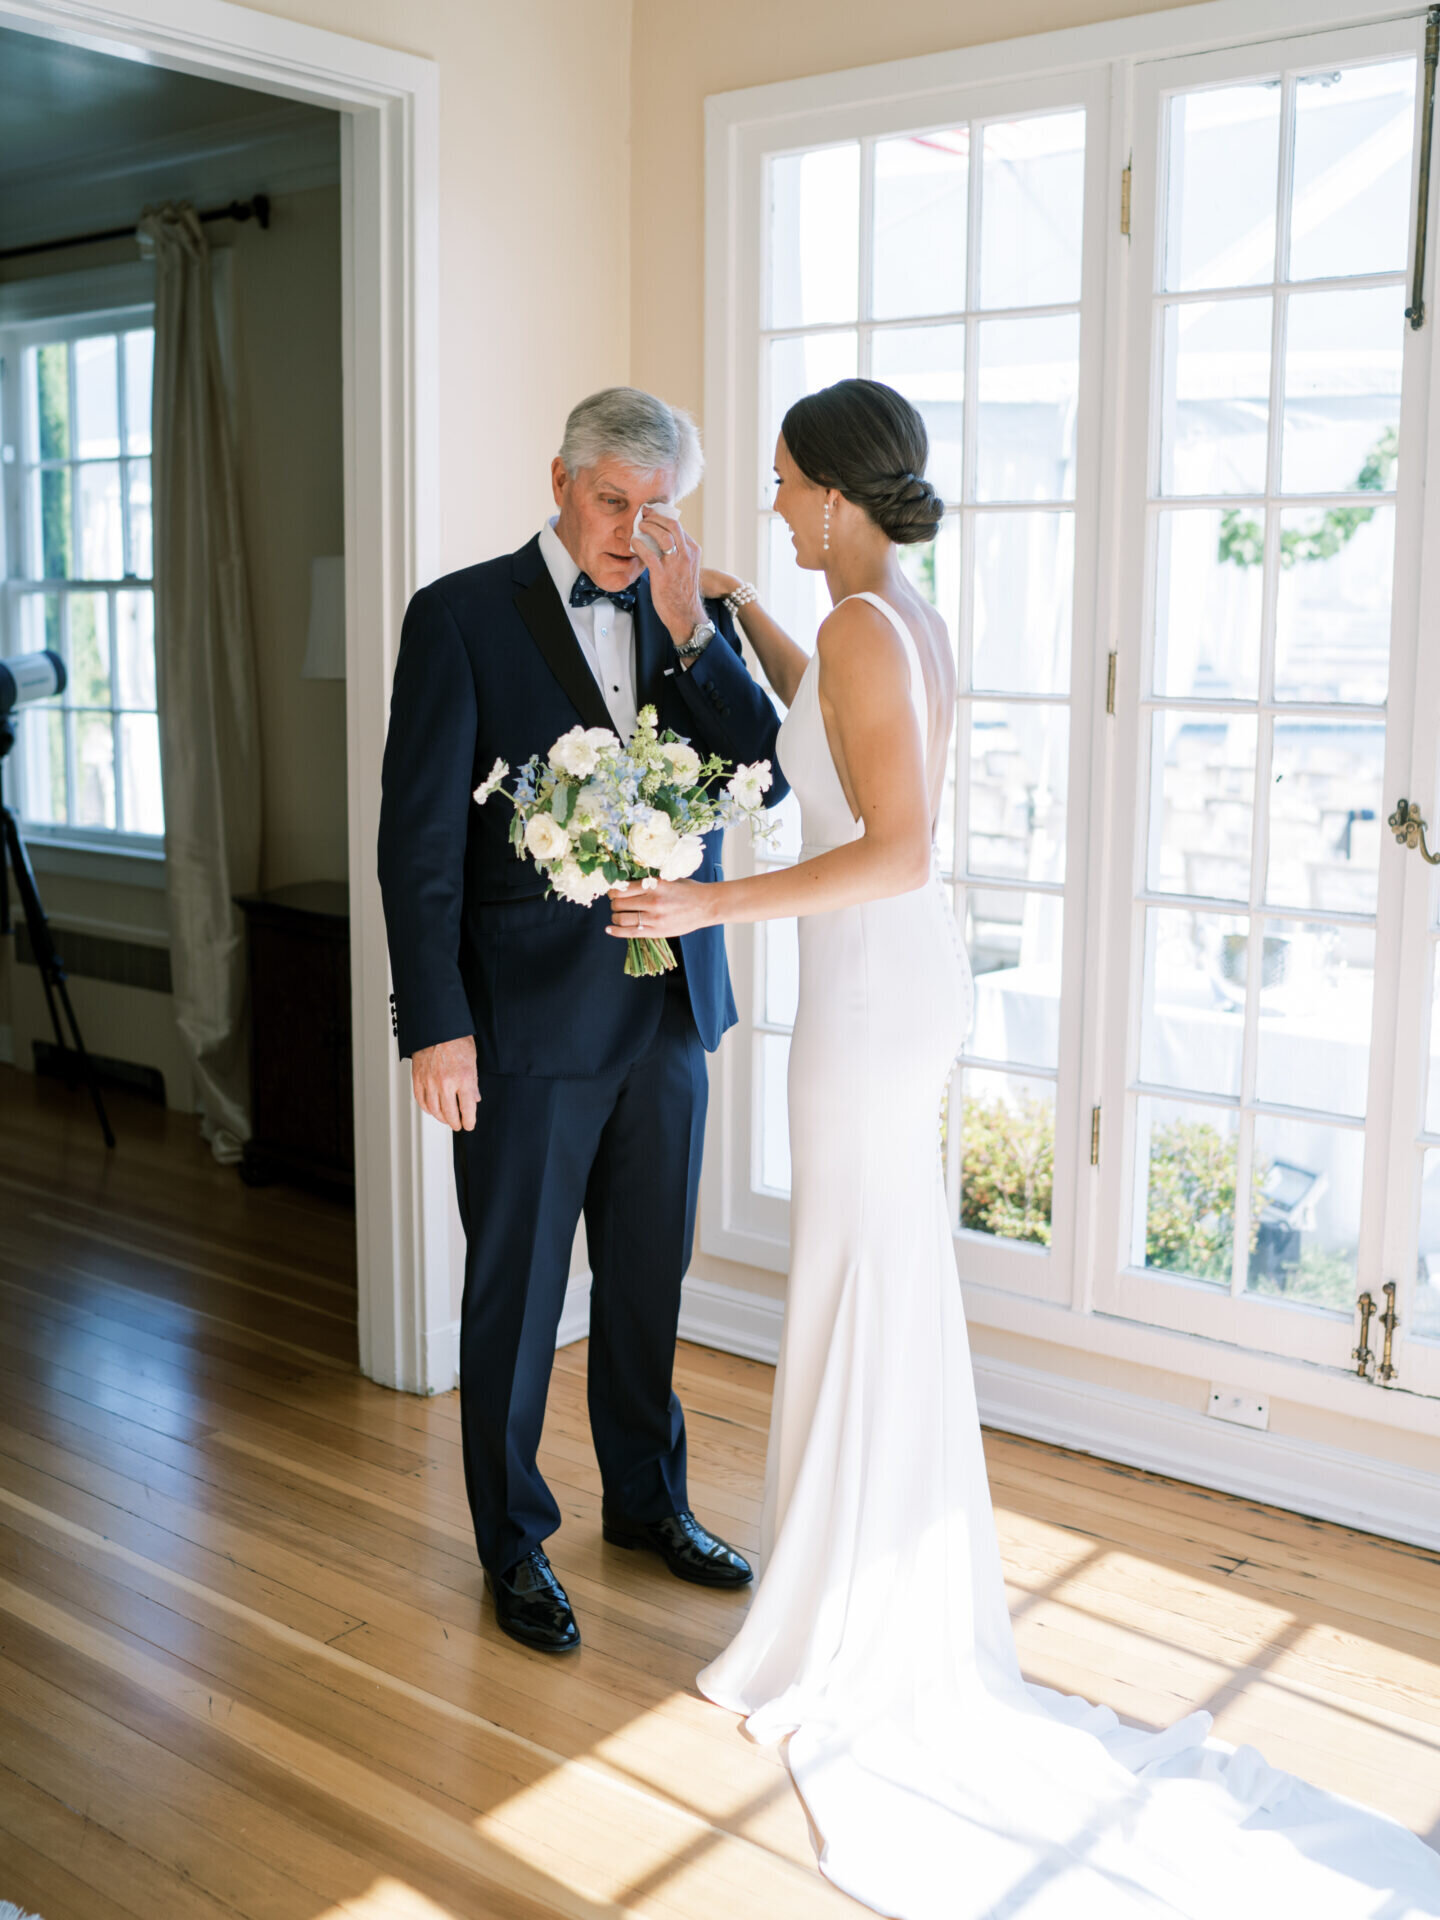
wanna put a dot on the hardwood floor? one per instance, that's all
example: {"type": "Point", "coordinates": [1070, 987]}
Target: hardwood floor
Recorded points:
{"type": "Point", "coordinates": [245, 1664]}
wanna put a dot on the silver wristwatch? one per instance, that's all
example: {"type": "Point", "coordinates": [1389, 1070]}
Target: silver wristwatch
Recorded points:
{"type": "Point", "coordinates": [700, 639]}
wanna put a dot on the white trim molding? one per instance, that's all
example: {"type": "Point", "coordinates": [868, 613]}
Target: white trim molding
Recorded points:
{"type": "Point", "coordinates": [389, 176]}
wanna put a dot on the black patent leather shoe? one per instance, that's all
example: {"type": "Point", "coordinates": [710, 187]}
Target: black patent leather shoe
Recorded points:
{"type": "Point", "coordinates": [532, 1606]}
{"type": "Point", "coordinates": [688, 1550]}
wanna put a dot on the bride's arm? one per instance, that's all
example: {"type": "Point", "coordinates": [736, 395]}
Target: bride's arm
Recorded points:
{"type": "Point", "coordinates": [781, 659]}
{"type": "Point", "coordinates": [865, 682]}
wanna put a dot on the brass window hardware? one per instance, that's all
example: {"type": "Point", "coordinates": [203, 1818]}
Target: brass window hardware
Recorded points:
{"type": "Point", "coordinates": [1389, 1320]}
{"type": "Point", "coordinates": [1095, 1136]}
{"type": "Point", "coordinates": [1409, 830]}
{"type": "Point", "coordinates": [1125, 198]}
{"type": "Point", "coordinates": [1415, 312]}
{"type": "Point", "coordinates": [1362, 1353]}
{"type": "Point", "coordinates": [1110, 683]}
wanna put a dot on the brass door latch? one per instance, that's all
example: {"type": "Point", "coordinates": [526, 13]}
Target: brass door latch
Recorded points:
{"type": "Point", "coordinates": [1362, 1353]}
{"type": "Point", "coordinates": [1409, 829]}
{"type": "Point", "coordinates": [1389, 1320]}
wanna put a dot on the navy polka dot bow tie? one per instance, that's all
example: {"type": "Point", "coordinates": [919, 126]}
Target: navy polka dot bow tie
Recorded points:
{"type": "Point", "coordinates": [585, 593]}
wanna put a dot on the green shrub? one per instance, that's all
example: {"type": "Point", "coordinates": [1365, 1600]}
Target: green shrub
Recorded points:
{"type": "Point", "coordinates": [1190, 1210]}
{"type": "Point", "coordinates": [1007, 1167]}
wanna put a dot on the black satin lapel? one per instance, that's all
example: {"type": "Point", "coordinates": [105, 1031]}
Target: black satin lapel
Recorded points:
{"type": "Point", "coordinates": [654, 652]}
{"type": "Point", "coordinates": [541, 610]}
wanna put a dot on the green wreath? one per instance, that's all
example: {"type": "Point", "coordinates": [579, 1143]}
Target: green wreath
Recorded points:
{"type": "Point", "coordinates": [1242, 539]}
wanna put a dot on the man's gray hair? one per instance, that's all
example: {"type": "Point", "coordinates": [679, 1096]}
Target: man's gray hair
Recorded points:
{"type": "Point", "coordinates": [625, 423]}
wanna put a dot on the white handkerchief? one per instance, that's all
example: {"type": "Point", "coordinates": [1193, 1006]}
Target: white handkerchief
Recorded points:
{"type": "Point", "coordinates": [670, 513]}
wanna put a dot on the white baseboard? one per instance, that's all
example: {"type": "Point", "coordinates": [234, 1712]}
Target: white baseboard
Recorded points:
{"type": "Point", "coordinates": [442, 1358]}
{"type": "Point", "coordinates": [1302, 1476]}
{"type": "Point", "coordinates": [575, 1314]}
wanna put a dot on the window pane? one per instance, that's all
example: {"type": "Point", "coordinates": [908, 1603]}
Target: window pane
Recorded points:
{"type": "Point", "coordinates": [1342, 390]}
{"type": "Point", "coordinates": [1425, 1314]}
{"type": "Point", "coordinates": [1432, 1096]}
{"type": "Point", "coordinates": [1351, 195]}
{"type": "Point", "coordinates": [1325, 813]}
{"type": "Point", "coordinates": [139, 355]}
{"type": "Point", "coordinates": [89, 655]}
{"type": "Point", "coordinates": [1029, 385]}
{"type": "Point", "coordinates": [97, 398]}
{"type": "Point", "coordinates": [933, 568]}
{"type": "Point", "coordinates": [135, 649]}
{"type": "Point", "coordinates": [144, 806]}
{"type": "Point", "coordinates": [797, 366]}
{"type": "Point", "coordinates": [798, 600]}
{"type": "Point", "coordinates": [1215, 404]}
{"type": "Point", "coordinates": [41, 735]}
{"type": "Point", "coordinates": [1307, 1181]}
{"type": "Point", "coordinates": [1007, 1155]}
{"type": "Point", "coordinates": [1019, 769]}
{"type": "Point", "coordinates": [773, 1063]}
{"type": "Point", "coordinates": [1209, 577]}
{"type": "Point", "coordinates": [1314, 1032]}
{"type": "Point", "coordinates": [141, 538]}
{"type": "Point", "coordinates": [814, 236]}
{"type": "Point", "coordinates": [102, 553]}
{"type": "Point", "coordinates": [1220, 214]}
{"type": "Point", "coordinates": [1332, 621]}
{"type": "Point", "coordinates": [927, 365]}
{"type": "Point", "coordinates": [94, 771]}
{"type": "Point", "coordinates": [1202, 796]}
{"type": "Point", "coordinates": [52, 525]}
{"type": "Point", "coordinates": [1017, 985]}
{"type": "Point", "coordinates": [49, 384]}
{"type": "Point", "coordinates": [1031, 204]}
{"type": "Point", "coordinates": [40, 623]}
{"type": "Point", "coordinates": [1185, 1160]}
{"type": "Point", "coordinates": [1024, 583]}
{"type": "Point", "coordinates": [922, 191]}
{"type": "Point", "coordinates": [1193, 1007]}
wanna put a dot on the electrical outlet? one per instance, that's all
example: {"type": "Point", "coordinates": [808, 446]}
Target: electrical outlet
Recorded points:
{"type": "Point", "coordinates": [1244, 1409]}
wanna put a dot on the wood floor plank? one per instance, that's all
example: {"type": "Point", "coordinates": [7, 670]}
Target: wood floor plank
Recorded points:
{"type": "Point", "coordinates": [247, 1667]}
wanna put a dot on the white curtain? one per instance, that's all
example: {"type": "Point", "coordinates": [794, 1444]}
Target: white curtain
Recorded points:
{"type": "Point", "coordinates": [205, 666]}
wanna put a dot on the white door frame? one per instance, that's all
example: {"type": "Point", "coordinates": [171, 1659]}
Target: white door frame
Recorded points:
{"type": "Point", "coordinates": [389, 107]}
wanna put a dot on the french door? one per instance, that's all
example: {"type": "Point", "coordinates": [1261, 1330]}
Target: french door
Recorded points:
{"type": "Point", "coordinates": [1277, 1155]}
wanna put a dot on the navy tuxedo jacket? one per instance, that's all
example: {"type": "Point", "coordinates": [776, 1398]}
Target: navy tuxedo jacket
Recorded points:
{"type": "Point", "coordinates": [489, 669]}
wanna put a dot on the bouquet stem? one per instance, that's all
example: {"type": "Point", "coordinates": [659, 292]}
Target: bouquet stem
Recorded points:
{"type": "Point", "coordinates": [645, 957]}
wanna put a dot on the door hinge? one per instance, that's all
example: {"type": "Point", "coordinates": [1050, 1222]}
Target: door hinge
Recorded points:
{"type": "Point", "coordinates": [1095, 1136]}
{"type": "Point", "coordinates": [1125, 200]}
{"type": "Point", "coordinates": [1110, 683]}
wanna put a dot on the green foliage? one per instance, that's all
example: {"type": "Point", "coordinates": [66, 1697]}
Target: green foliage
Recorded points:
{"type": "Point", "coordinates": [1242, 538]}
{"type": "Point", "coordinates": [52, 384]}
{"type": "Point", "coordinates": [1190, 1210]}
{"type": "Point", "coordinates": [1007, 1167]}
{"type": "Point", "coordinates": [1322, 1277]}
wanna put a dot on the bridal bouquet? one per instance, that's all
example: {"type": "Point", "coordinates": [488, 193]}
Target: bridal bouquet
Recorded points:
{"type": "Point", "coordinates": [592, 813]}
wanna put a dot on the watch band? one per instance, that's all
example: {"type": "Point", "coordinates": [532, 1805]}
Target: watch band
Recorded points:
{"type": "Point", "coordinates": [700, 639]}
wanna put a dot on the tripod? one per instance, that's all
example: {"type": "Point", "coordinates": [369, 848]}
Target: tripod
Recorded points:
{"type": "Point", "coordinates": [52, 968]}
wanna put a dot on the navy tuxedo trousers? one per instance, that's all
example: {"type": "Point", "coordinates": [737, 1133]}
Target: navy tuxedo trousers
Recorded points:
{"type": "Point", "coordinates": [624, 1149]}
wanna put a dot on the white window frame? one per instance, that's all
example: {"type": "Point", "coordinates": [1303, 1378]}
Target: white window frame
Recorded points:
{"type": "Point", "coordinates": [67, 307]}
{"type": "Point", "coordinates": [742, 129]}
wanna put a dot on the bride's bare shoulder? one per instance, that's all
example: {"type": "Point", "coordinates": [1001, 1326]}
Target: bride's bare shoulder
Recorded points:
{"type": "Point", "coordinates": [857, 640]}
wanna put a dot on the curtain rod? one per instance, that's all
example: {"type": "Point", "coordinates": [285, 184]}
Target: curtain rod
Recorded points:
{"type": "Point", "coordinates": [257, 208]}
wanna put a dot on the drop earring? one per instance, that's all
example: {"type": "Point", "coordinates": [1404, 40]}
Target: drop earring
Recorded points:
{"type": "Point", "coordinates": [825, 543]}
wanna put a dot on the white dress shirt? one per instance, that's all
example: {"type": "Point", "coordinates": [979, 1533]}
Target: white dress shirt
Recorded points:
{"type": "Point", "coordinates": [605, 632]}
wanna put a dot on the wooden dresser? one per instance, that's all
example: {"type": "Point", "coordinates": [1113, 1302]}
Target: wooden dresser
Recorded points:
{"type": "Point", "coordinates": [301, 1081]}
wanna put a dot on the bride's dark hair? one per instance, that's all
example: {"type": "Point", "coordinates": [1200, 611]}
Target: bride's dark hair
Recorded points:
{"type": "Point", "coordinates": [870, 444]}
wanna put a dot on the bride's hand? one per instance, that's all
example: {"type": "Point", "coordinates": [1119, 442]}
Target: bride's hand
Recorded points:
{"type": "Point", "coordinates": [661, 912]}
{"type": "Point", "coordinates": [714, 585]}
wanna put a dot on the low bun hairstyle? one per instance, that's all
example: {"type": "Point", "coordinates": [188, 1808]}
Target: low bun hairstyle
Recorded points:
{"type": "Point", "coordinates": [870, 444]}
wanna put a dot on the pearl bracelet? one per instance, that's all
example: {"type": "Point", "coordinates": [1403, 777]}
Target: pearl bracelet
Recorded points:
{"type": "Point", "coordinates": [741, 597]}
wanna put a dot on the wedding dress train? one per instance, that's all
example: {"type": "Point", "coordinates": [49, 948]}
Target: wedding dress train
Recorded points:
{"type": "Point", "coordinates": [940, 1784]}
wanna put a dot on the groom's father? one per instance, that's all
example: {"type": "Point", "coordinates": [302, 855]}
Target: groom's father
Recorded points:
{"type": "Point", "coordinates": [571, 1088]}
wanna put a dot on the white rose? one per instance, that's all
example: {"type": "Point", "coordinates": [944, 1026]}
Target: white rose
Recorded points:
{"type": "Point", "coordinates": [603, 739]}
{"type": "Point", "coordinates": [688, 853]}
{"type": "Point", "coordinates": [590, 804]}
{"type": "Point", "coordinates": [575, 753]}
{"type": "Point", "coordinates": [684, 762]}
{"type": "Point", "coordinates": [653, 839]}
{"type": "Point", "coordinates": [491, 783]}
{"type": "Point", "coordinates": [571, 882]}
{"type": "Point", "coordinates": [749, 785]}
{"type": "Point", "coordinates": [545, 837]}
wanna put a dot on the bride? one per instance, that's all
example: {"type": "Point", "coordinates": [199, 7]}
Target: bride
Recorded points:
{"type": "Point", "coordinates": [939, 1784]}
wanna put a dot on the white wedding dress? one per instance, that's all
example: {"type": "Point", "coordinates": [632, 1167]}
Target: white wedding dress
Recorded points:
{"type": "Point", "coordinates": [939, 1784]}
